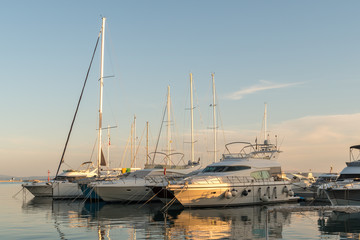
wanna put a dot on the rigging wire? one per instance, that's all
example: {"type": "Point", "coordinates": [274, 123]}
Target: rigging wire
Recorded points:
{"type": "Point", "coordinates": [158, 139]}
{"type": "Point", "coordinates": [77, 107]}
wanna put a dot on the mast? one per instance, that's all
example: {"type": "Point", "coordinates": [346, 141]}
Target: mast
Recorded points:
{"type": "Point", "coordinates": [265, 125]}
{"type": "Point", "coordinates": [147, 142]}
{"type": "Point", "coordinates": [192, 118]}
{"type": "Point", "coordinates": [131, 145]}
{"type": "Point", "coordinates": [108, 149]}
{"type": "Point", "coordinates": [168, 126]}
{"type": "Point", "coordinates": [134, 140]}
{"type": "Point", "coordinates": [214, 114]}
{"type": "Point", "coordinates": [101, 91]}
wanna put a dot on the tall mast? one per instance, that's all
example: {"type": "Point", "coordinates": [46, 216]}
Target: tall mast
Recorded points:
{"type": "Point", "coordinates": [168, 126]}
{"type": "Point", "coordinates": [108, 149]}
{"type": "Point", "coordinates": [147, 142]}
{"type": "Point", "coordinates": [265, 125]}
{"type": "Point", "coordinates": [192, 118]}
{"type": "Point", "coordinates": [131, 145]}
{"type": "Point", "coordinates": [135, 141]}
{"type": "Point", "coordinates": [101, 91]}
{"type": "Point", "coordinates": [214, 114]}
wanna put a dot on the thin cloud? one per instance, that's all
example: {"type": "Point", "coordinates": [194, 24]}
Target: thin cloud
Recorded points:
{"type": "Point", "coordinates": [263, 86]}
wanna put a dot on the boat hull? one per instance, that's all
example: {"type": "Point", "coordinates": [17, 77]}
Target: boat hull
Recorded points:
{"type": "Point", "coordinates": [42, 189]}
{"type": "Point", "coordinates": [88, 191]}
{"type": "Point", "coordinates": [66, 190]}
{"type": "Point", "coordinates": [343, 196]}
{"type": "Point", "coordinates": [126, 193]}
{"type": "Point", "coordinates": [212, 195]}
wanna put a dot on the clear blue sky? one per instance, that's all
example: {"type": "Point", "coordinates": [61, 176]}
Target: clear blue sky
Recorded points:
{"type": "Point", "coordinates": [301, 57]}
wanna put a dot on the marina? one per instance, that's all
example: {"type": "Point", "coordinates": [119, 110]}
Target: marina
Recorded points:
{"type": "Point", "coordinates": [114, 126]}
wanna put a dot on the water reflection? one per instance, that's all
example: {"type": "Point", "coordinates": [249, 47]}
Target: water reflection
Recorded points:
{"type": "Point", "coordinates": [136, 221]}
{"type": "Point", "coordinates": [346, 225]}
{"type": "Point", "coordinates": [148, 222]}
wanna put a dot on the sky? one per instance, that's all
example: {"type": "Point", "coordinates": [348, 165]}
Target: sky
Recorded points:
{"type": "Point", "coordinates": [301, 58]}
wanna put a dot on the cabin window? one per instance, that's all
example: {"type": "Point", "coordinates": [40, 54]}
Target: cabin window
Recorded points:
{"type": "Point", "coordinates": [349, 176]}
{"type": "Point", "coordinates": [260, 175]}
{"type": "Point", "coordinates": [225, 168]}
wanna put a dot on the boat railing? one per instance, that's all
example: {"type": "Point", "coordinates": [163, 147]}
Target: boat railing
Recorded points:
{"type": "Point", "coordinates": [161, 179]}
{"type": "Point", "coordinates": [233, 180]}
{"type": "Point", "coordinates": [257, 151]}
{"type": "Point", "coordinates": [344, 185]}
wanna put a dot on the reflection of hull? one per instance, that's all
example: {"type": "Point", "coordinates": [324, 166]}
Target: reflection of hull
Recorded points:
{"type": "Point", "coordinates": [39, 189]}
{"type": "Point", "coordinates": [212, 195]}
{"type": "Point", "coordinates": [66, 190]}
{"type": "Point", "coordinates": [119, 211]}
{"type": "Point", "coordinates": [341, 222]}
{"type": "Point", "coordinates": [343, 196]}
{"type": "Point", "coordinates": [38, 203]}
{"type": "Point", "coordinates": [251, 222]}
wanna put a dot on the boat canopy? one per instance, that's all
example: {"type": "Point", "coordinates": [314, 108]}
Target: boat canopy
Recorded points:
{"type": "Point", "coordinates": [355, 146]}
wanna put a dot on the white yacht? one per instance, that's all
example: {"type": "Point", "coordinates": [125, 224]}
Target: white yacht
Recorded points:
{"type": "Point", "coordinates": [346, 190]}
{"type": "Point", "coordinates": [136, 186]}
{"type": "Point", "coordinates": [64, 185]}
{"type": "Point", "coordinates": [251, 176]}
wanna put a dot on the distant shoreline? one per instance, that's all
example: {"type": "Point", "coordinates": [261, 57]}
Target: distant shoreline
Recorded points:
{"type": "Point", "coordinates": [11, 181]}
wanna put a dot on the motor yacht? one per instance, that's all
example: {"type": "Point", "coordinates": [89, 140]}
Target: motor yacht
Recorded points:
{"type": "Point", "coordinates": [346, 190]}
{"type": "Point", "coordinates": [251, 176]}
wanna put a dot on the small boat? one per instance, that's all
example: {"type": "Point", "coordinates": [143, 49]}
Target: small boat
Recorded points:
{"type": "Point", "coordinates": [346, 189]}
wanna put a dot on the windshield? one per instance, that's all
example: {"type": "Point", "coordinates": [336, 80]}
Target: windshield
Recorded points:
{"type": "Point", "coordinates": [225, 168]}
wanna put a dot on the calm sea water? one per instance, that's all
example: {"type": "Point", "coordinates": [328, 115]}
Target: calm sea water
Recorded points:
{"type": "Point", "coordinates": [25, 217]}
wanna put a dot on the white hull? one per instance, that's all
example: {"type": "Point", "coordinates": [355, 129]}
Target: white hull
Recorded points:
{"type": "Point", "coordinates": [42, 189]}
{"type": "Point", "coordinates": [225, 194]}
{"type": "Point", "coordinates": [136, 187]}
{"type": "Point", "coordinates": [129, 190]}
{"type": "Point", "coordinates": [66, 190]}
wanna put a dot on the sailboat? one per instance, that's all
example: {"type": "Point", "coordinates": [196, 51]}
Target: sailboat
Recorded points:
{"type": "Point", "coordinates": [136, 186]}
{"type": "Point", "coordinates": [64, 185]}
